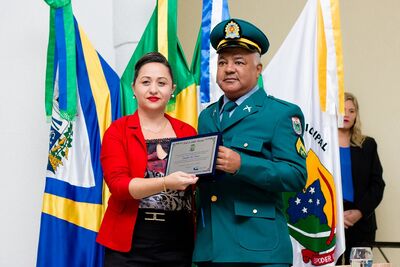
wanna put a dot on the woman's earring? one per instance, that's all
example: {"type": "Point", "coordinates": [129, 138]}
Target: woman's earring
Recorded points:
{"type": "Point", "coordinates": [172, 95]}
{"type": "Point", "coordinates": [133, 91]}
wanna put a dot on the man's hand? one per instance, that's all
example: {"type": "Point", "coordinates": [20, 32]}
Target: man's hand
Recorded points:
{"type": "Point", "coordinates": [228, 160]}
{"type": "Point", "coordinates": [351, 217]}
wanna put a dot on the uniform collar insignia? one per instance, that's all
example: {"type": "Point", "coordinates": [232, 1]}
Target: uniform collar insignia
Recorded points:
{"type": "Point", "coordinates": [248, 108]}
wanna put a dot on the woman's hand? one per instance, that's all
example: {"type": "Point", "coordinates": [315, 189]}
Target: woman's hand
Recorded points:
{"type": "Point", "coordinates": [179, 180]}
{"type": "Point", "coordinates": [228, 160]}
{"type": "Point", "coordinates": [351, 217]}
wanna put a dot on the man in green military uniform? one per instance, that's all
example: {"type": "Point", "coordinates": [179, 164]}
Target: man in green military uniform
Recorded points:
{"type": "Point", "coordinates": [241, 219]}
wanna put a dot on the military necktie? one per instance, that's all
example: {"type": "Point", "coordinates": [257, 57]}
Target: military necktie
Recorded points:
{"type": "Point", "coordinates": [228, 107]}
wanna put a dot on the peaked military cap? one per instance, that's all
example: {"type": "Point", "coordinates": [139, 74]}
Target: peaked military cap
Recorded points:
{"type": "Point", "coordinates": [238, 33]}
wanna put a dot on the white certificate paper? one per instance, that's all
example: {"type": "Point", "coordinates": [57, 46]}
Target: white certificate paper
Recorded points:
{"type": "Point", "coordinates": [195, 155]}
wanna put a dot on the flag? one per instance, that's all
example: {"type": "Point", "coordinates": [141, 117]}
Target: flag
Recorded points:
{"type": "Point", "coordinates": [61, 52]}
{"type": "Point", "coordinates": [308, 71]}
{"type": "Point", "coordinates": [204, 62]}
{"type": "Point", "coordinates": [75, 195]}
{"type": "Point", "coordinates": [161, 35]}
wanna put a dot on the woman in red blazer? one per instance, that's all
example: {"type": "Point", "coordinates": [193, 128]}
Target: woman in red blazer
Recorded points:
{"type": "Point", "coordinates": [148, 221]}
{"type": "Point", "coordinates": [362, 182]}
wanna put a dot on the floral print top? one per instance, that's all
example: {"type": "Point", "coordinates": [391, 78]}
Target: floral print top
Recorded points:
{"type": "Point", "coordinates": [172, 200]}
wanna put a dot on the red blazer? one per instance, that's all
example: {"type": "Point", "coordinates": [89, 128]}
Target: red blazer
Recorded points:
{"type": "Point", "coordinates": [123, 157]}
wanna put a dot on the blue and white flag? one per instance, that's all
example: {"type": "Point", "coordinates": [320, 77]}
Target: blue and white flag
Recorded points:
{"type": "Point", "coordinates": [204, 64]}
{"type": "Point", "coordinates": [75, 194]}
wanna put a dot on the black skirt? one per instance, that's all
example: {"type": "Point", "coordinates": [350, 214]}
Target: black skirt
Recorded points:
{"type": "Point", "coordinates": [161, 238]}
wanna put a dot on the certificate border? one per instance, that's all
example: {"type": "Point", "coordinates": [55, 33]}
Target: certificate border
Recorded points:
{"type": "Point", "coordinates": [218, 143]}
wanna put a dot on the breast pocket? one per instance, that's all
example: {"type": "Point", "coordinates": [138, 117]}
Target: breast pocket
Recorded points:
{"type": "Point", "coordinates": [252, 146]}
{"type": "Point", "coordinates": [256, 226]}
{"type": "Point", "coordinates": [245, 143]}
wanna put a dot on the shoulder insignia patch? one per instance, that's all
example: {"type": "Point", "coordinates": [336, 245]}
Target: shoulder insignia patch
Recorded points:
{"type": "Point", "coordinates": [296, 125]}
{"type": "Point", "coordinates": [300, 148]}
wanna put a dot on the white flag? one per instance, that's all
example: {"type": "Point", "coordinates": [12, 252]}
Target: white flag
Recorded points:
{"type": "Point", "coordinates": [204, 65]}
{"type": "Point", "coordinates": [307, 70]}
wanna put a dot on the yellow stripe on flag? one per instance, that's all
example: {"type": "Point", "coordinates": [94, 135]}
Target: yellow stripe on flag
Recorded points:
{"type": "Point", "coordinates": [322, 58]}
{"type": "Point", "coordinates": [98, 84]}
{"type": "Point", "coordinates": [162, 27]}
{"type": "Point", "coordinates": [186, 106]}
{"type": "Point", "coordinates": [339, 52]}
{"type": "Point", "coordinates": [100, 92]}
{"type": "Point", "coordinates": [79, 213]}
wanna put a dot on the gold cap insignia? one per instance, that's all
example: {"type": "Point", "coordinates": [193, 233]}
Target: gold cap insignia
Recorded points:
{"type": "Point", "coordinates": [232, 30]}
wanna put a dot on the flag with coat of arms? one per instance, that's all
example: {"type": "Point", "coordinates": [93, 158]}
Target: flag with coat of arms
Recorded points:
{"type": "Point", "coordinates": [308, 71]}
{"type": "Point", "coordinates": [82, 98]}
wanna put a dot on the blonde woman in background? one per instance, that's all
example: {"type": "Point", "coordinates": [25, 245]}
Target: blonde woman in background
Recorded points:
{"type": "Point", "coordinates": [362, 181]}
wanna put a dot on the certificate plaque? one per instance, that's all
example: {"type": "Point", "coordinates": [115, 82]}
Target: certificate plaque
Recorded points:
{"type": "Point", "coordinates": [195, 155]}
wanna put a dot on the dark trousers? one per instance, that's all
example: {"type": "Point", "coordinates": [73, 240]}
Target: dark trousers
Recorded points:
{"type": "Point", "coordinates": [166, 242]}
{"type": "Point", "coordinates": [117, 259]}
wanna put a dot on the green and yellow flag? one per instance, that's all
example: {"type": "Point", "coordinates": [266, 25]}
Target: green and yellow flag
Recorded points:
{"type": "Point", "coordinates": [161, 35]}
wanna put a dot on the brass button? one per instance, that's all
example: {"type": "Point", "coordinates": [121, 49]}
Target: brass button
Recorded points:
{"type": "Point", "coordinates": [255, 211]}
{"type": "Point", "coordinates": [213, 198]}
{"type": "Point", "coordinates": [245, 144]}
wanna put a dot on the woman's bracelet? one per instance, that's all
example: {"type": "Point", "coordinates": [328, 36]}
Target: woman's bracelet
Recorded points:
{"type": "Point", "coordinates": [165, 188]}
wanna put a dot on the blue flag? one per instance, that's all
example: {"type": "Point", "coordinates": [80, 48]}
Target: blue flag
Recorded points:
{"type": "Point", "coordinates": [75, 194]}
{"type": "Point", "coordinates": [204, 64]}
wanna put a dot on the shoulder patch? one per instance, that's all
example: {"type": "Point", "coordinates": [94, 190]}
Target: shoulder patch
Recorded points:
{"type": "Point", "coordinates": [300, 148]}
{"type": "Point", "coordinates": [296, 125]}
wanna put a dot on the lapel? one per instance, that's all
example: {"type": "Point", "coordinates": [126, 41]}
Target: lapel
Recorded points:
{"type": "Point", "coordinates": [135, 130]}
{"type": "Point", "coordinates": [136, 144]}
{"type": "Point", "coordinates": [357, 168]}
{"type": "Point", "coordinates": [215, 114]}
{"type": "Point", "coordinates": [250, 106]}
{"type": "Point", "coordinates": [177, 125]}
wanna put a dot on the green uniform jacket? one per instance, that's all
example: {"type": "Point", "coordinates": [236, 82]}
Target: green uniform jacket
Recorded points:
{"type": "Point", "coordinates": [241, 217]}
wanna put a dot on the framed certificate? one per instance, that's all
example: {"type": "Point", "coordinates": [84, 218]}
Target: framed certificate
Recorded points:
{"type": "Point", "coordinates": [195, 155]}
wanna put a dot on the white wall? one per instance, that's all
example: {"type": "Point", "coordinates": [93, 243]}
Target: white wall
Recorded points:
{"type": "Point", "coordinates": [23, 130]}
{"type": "Point", "coordinates": [371, 48]}
{"type": "Point", "coordinates": [130, 20]}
